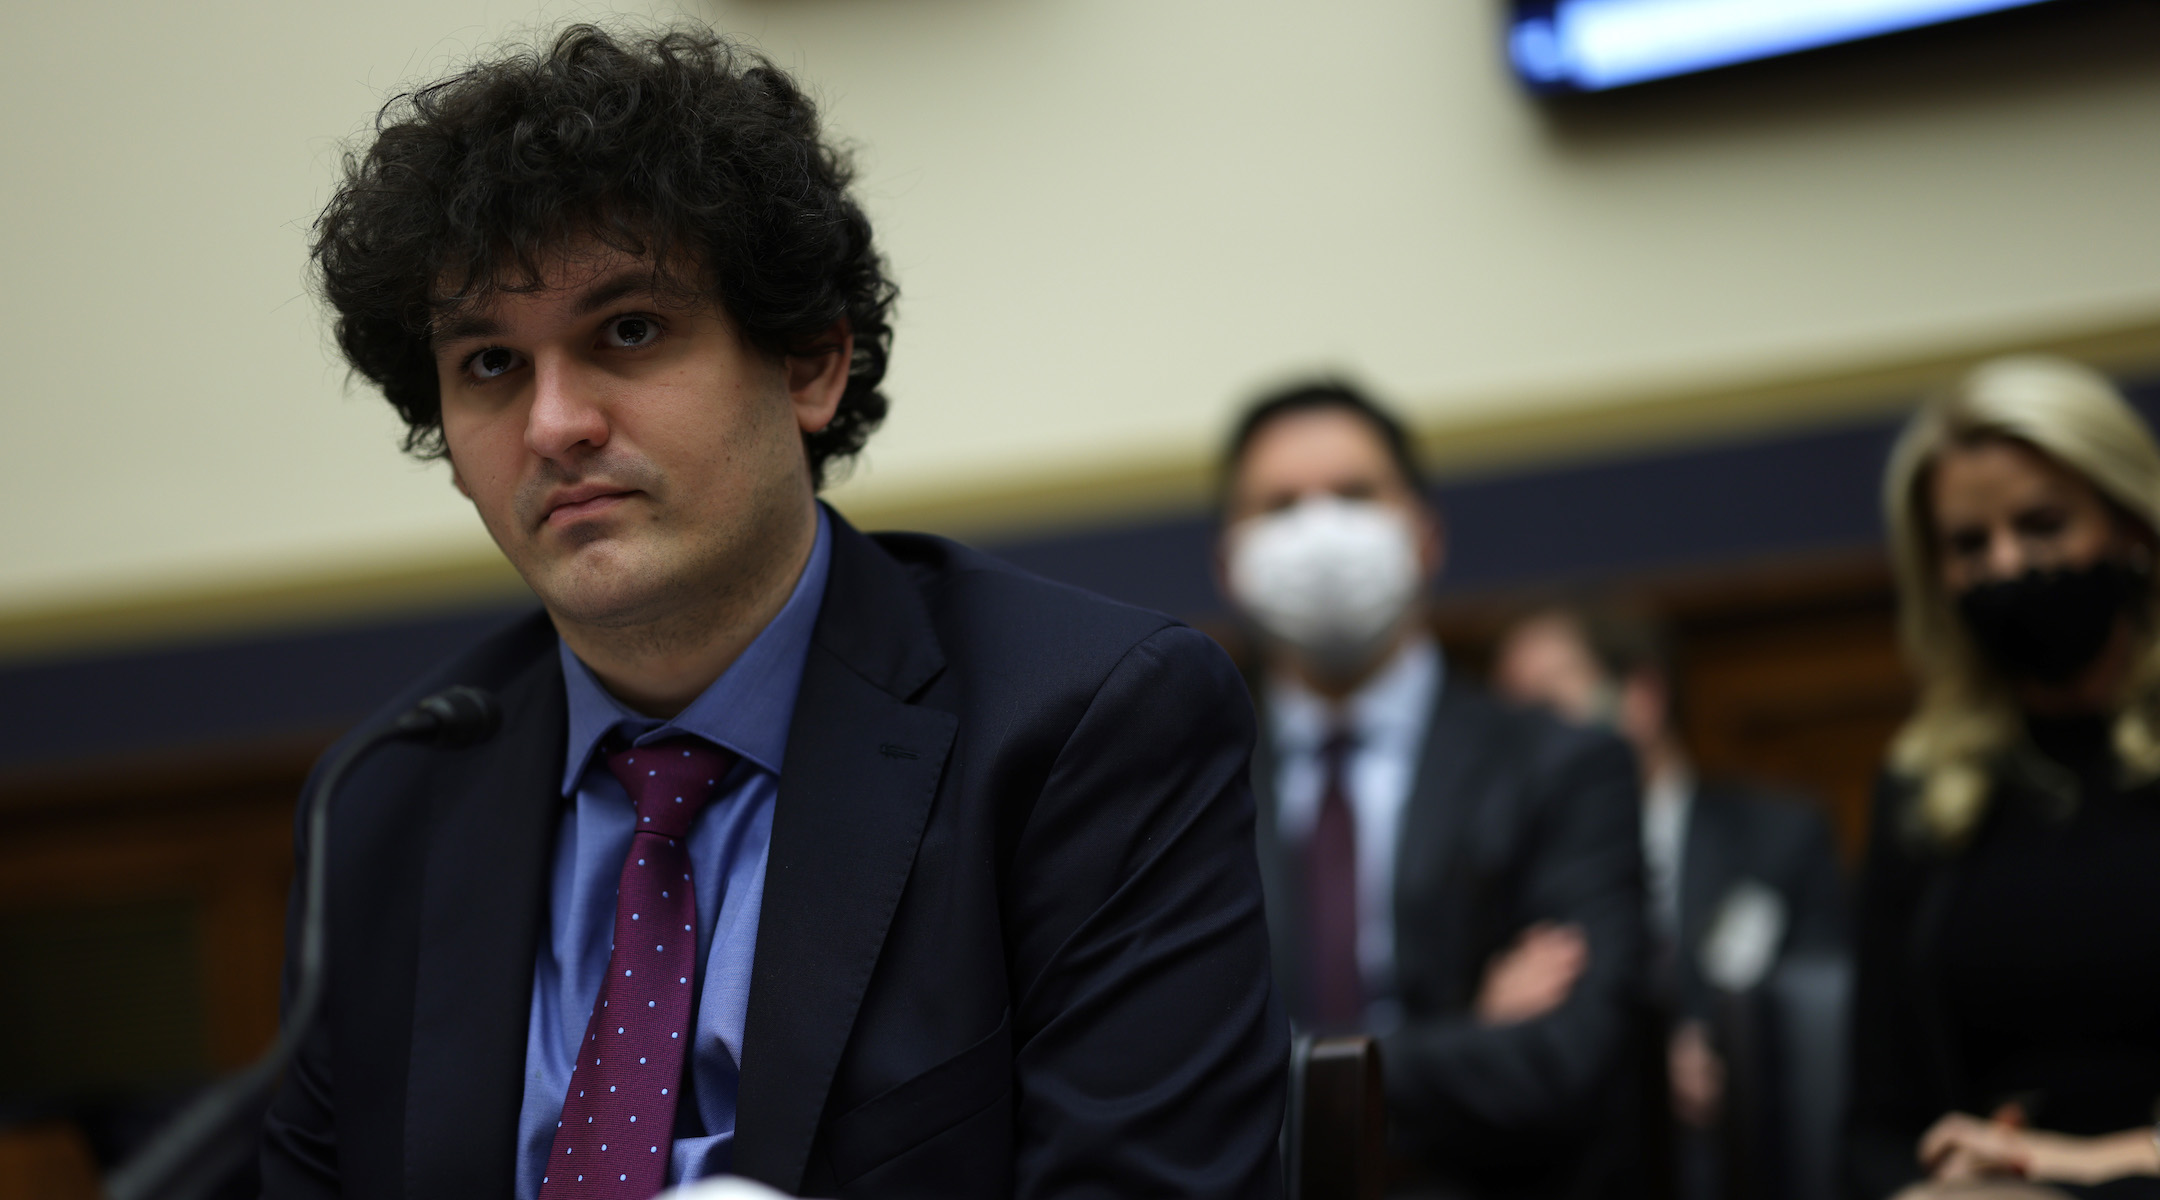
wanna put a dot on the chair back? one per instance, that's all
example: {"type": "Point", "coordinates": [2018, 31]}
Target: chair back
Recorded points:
{"type": "Point", "coordinates": [1785, 1049]}
{"type": "Point", "coordinates": [1335, 1133]}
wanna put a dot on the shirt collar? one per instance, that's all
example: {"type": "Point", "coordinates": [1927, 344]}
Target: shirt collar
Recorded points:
{"type": "Point", "coordinates": [747, 710]}
{"type": "Point", "coordinates": [1670, 790]}
{"type": "Point", "coordinates": [1391, 708]}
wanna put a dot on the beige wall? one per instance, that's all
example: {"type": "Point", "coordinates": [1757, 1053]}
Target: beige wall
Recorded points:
{"type": "Point", "coordinates": [1110, 218]}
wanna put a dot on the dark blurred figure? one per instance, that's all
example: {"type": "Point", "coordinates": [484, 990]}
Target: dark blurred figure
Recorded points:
{"type": "Point", "coordinates": [2010, 913]}
{"type": "Point", "coordinates": [1458, 878]}
{"type": "Point", "coordinates": [1740, 880]}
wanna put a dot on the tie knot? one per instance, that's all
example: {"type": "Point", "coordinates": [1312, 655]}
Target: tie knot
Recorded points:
{"type": "Point", "coordinates": [670, 781]}
{"type": "Point", "coordinates": [1337, 747]}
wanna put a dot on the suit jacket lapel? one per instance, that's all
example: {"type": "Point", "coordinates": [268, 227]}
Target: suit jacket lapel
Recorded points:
{"type": "Point", "coordinates": [861, 768]}
{"type": "Point", "coordinates": [1281, 881]}
{"type": "Point", "coordinates": [1711, 865]}
{"type": "Point", "coordinates": [1705, 861]}
{"type": "Point", "coordinates": [483, 908]}
{"type": "Point", "coordinates": [1434, 823]}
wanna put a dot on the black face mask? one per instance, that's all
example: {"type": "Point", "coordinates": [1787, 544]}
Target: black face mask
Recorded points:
{"type": "Point", "coordinates": [2046, 626]}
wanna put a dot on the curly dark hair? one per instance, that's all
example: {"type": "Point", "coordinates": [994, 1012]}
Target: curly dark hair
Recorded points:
{"type": "Point", "coordinates": [675, 145]}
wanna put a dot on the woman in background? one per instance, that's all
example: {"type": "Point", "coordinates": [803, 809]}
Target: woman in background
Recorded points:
{"type": "Point", "coordinates": [2009, 977]}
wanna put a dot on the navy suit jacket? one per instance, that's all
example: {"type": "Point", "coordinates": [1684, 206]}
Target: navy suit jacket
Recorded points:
{"type": "Point", "coordinates": [1012, 941]}
{"type": "Point", "coordinates": [1512, 818]}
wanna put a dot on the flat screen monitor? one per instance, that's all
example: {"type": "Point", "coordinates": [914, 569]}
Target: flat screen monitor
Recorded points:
{"type": "Point", "coordinates": [1594, 45]}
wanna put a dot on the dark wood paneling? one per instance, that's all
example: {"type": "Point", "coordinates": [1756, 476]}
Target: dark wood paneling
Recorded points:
{"type": "Point", "coordinates": [46, 1161]}
{"type": "Point", "coordinates": [149, 895]}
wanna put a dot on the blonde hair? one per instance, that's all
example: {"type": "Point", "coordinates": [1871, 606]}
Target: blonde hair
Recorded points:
{"type": "Point", "coordinates": [1966, 717]}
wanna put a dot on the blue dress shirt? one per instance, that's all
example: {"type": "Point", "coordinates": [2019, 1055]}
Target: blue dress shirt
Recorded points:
{"type": "Point", "coordinates": [1388, 719]}
{"type": "Point", "coordinates": [746, 710]}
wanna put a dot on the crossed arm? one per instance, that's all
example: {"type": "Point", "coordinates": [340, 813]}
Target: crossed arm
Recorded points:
{"type": "Point", "coordinates": [1536, 1065]}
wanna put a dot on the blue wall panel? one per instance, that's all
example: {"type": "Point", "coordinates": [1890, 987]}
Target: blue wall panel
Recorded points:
{"type": "Point", "coordinates": [1698, 506]}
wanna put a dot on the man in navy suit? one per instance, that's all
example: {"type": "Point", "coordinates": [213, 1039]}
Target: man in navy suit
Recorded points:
{"type": "Point", "coordinates": [1452, 876]}
{"type": "Point", "coordinates": [967, 895]}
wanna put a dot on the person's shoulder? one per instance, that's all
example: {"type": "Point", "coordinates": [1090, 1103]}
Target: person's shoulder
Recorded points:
{"type": "Point", "coordinates": [1529, 735]}
{"type": "Point", "coordinates": [1035, 657]}
{"type": "Point", "coordinates": [502, 658]}
{"type": "Point", "coordinates": [1775, 833]}
{"type": "Point", "coordinates": [1897, 829]}
{"type": "Point", "coordinates": [984, 608]}
{"type": "Point", "coordinates": [1781, 811]}
{"type": "Point", "coordinates": [1527, 725]}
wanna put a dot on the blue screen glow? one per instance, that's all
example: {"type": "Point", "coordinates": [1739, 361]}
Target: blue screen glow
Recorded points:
{"type": "Point", "coordinates": [1591, 45]}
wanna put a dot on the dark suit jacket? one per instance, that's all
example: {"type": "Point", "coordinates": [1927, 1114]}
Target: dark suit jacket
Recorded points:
{"type": "Point", "coordinates": [1911, 1039]}
{"type": "Point", "coordinates": [1012, 941]}
{"type": "Point", "coordinates": [1513, 818]}
{"type": "Point", "coordinates": [1736, 834]}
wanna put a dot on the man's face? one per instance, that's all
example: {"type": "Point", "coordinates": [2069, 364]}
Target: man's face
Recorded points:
{"type": "Point", "coordinates": [631, 456]}
{"type": "Point", "coordinates": [1545, 662]}
{"type": "Point", "coordinates": [1327, 452]}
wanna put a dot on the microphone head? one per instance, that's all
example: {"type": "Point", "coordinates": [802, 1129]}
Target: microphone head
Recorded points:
{"type": "Point", "coordinates": [455, 716]}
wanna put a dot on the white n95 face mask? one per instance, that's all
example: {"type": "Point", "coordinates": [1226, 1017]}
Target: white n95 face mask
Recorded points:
{"type": "Point", "coordinates": [1331, 577]}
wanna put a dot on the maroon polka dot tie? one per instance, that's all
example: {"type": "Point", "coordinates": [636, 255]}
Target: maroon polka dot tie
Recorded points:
{"type": "Point", "coordinates": [619, 1114]}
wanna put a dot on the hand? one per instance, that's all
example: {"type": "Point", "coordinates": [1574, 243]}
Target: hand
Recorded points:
{"type": "Point", "coordinates": [1533, 976]}
{"type": "Point", "coordinates": [1697, 1075]}
{"type": "Point", "coordinates": [1961, 1147]}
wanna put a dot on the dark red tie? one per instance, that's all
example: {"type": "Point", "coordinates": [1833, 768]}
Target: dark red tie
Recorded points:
{"type": "Point", "coordinates": [620, 1111]}
{"type": "Point", "coordinates": [1331, 891]}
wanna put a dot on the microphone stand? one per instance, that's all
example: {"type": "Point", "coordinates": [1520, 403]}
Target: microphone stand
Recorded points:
{"type": "Point", "coordinates": [219, 1129]}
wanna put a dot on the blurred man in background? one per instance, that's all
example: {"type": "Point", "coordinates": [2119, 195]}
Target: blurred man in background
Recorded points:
{"type": "Point", "coordinates": [1459, 879]}
{"type": "Point", "coordinates": [1724, 862]}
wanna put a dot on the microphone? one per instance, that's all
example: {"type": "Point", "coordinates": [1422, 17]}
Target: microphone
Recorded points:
{"type": "Point", "coordinates": [216, 1133]}
{"type": "Point", "coordinates": [454, 716]}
